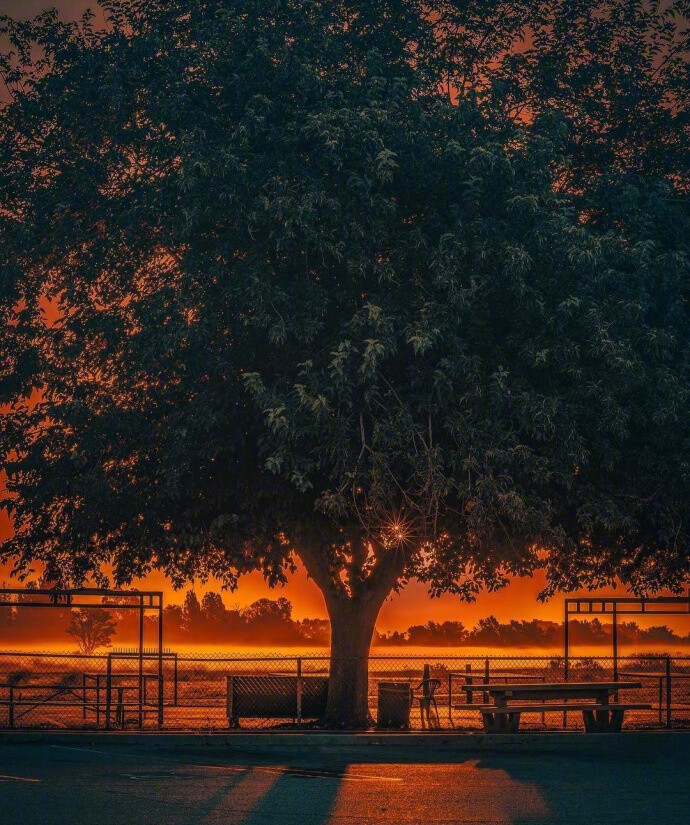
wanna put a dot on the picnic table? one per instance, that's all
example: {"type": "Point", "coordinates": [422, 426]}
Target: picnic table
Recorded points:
{"type": "Point", "coordinates": [500, 676]}
{"type": "Point", "coordinates": [474, 680]}
{"type": "Point", "coordinates": [593, 699]}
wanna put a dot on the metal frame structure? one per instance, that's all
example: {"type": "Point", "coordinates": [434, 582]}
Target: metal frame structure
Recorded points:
{"type": "Point", "coordinates": [151, 654]}
{"type": "Point", "coordinates": [140, 600]}
{"type": "Point", "coordinates": [620, 606]}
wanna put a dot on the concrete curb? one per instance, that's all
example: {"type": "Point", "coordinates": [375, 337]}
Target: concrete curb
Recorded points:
{"type": "Point", "coordinates": [414, 743]}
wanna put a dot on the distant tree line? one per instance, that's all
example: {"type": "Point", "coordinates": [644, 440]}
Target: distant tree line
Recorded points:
{"type": "Point", "coordinates": [265, 621]}
{"type": "Point", "coordinates": [270, 622]}
{"type": "Point", "coordinates": [489, 632]}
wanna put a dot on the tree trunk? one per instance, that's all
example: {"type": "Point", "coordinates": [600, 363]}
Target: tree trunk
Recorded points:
{"type": "Point", "coordinates": [353, 610]}
{"type": "Point", "coordinates": [352, 628]}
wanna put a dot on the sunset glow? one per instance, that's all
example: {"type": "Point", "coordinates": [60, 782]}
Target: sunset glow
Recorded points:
{"type": "Point", "coordinates": [344, 412]}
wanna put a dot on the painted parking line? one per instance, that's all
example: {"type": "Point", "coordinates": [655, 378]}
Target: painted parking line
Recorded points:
{"type": "Point", "coordinates": [107, 753]}
{"type": "Point", "coordinates": [148, 777]}
{"type": "Point", "coordinates": [7, 778]}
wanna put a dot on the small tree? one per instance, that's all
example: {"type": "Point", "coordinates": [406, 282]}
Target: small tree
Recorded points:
{"type": "Point", "coordinates": [192, 613]}
{"type": "Point", "coordinates": [91, 629]}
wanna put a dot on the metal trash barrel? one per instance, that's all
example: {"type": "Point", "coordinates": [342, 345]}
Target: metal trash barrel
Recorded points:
{"type": "Point", "coordinates": [394, 703]}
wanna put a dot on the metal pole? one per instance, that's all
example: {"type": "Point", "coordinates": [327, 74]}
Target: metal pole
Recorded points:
{"type": "Point", "coordinates": [160, 664]}
{"type": "Point", "coordinates": [141, 659]}
{"type": "Point", "coordinates": [566, 643]}
{"type": "Point", "coordinates": [299, 693]}
{"type": "Point", "coordinates": [230, 700]}
{"type": "Point", "coordinates": [108, 689]}
{"type": "Point", "coordinates": [566, 654]}
{"type": "Point", "coordinates": [10, 711]}
{"type": "Point", "coordinates": [615, 647]}
{"type": "Point", "coordinates": [450, 698]}
{"type": "Point", "coordinates": [120, 708]}
{"type": "Point", "coordinates": [668, 691]}
{"type": "Point", "coordinates": [615, 643]}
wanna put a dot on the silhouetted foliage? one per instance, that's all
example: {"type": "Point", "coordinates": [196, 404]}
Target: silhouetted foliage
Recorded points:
{"type": "Point", "coordinates": [369, 283]}
{"type": "Point", "coordinates": [91, 629]}
{"type": "Point", "coordinates": [536, 633]}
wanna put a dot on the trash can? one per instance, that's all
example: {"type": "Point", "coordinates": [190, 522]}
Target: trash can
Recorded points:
{"type": "Point", "coordinates": [394, 702]}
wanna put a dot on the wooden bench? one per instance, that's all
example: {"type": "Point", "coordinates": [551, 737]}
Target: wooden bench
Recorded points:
{"type": "Point", "coordinates": [597, 717]}
{"type": "Point", "coordinates": [275, 697]}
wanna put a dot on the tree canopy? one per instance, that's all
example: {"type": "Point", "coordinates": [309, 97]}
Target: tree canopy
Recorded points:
{"type": "Point", "coordinates": [369, 284]}
{"type": "Point", "coordinates": [91, 629]}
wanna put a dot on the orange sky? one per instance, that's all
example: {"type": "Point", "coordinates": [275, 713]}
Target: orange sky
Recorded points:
{"type": "Point", "coordinates": [413, 605]}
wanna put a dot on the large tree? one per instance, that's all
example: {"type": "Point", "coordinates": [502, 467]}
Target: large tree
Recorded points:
{"type": "Point", "coordinates": [270, 292]}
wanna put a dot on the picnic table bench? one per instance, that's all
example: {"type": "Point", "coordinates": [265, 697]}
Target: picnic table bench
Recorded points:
{"type": "Point", "coordinates": [599, 713]}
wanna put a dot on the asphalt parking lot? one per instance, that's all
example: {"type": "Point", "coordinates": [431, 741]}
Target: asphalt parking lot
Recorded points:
{"type": "Point", "coordinates": [110, 784]}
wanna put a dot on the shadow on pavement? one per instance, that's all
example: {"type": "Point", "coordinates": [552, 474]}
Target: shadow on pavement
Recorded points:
{"type": "Point", "coordinates": [619, 783]}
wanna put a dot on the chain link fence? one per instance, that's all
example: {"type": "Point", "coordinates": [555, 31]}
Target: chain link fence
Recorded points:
{"type": "Point", "coordinates": [115, 691]}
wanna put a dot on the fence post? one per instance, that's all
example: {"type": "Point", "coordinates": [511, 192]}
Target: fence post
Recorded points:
{"type": "Point", "coordinates": [566, 675]}
{"type": "Point", "coordinates": [83, 690]}
{"type": "Point", "coordinates": [108, 689]}
{"type": "Point", "coordinates": [450, 698]}
{"type": "Point", "coordinates": [140, 692]}
{"type": "Point", "coordinates": [10, 719]}
{"type": "Point", "coordinates": [615, 645]}
{"type": "Point", "coordinates": [175, 684]}
{"type": "Point", "coordinates": [230, 699]}
{"type": "Point", "coordinates": [161, 682]}
{"type": "Point", "coordinates": [615, 648]}
{"type": "Point", "coordinates": [299, 693]}
{"type": "Point", "coordinates": [469, 680]}
{"type": "Point", "coordinates": [668, 692]}
{"type": "Point", "coordinates": [120, 709]}
{"type": "Point", "coordinates": [485, 697]}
